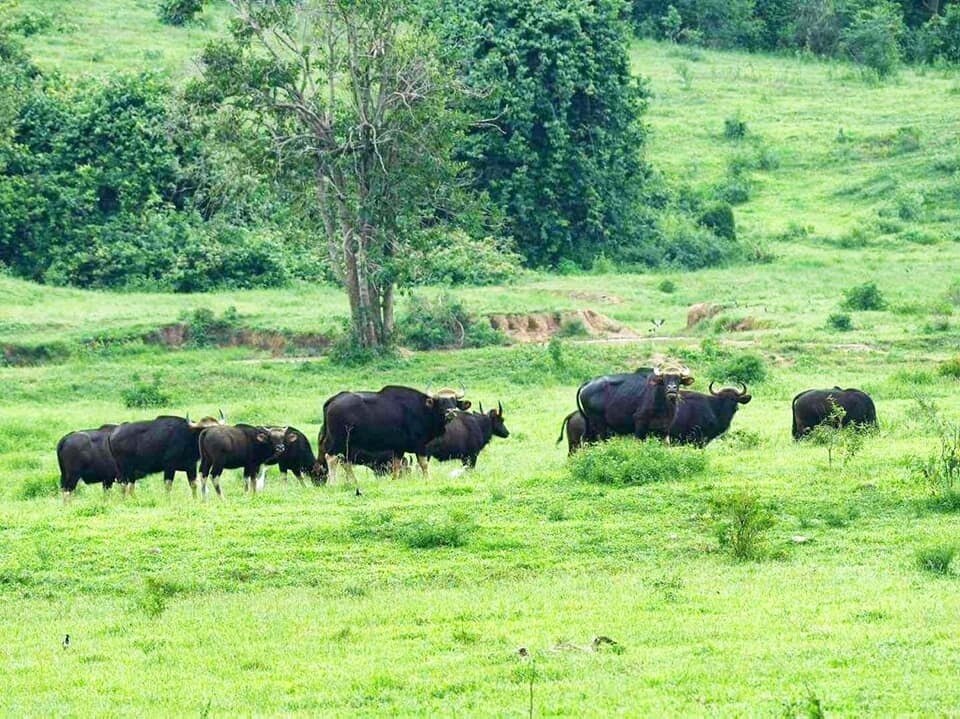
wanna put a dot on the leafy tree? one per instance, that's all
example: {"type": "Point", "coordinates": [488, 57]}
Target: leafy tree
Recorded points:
{"type": "Point", "coordinates": [560, 149]}
{"type": "Point", "coordinates": [353, 101]}
{"type": "Point", "coordinates": [873, 39]}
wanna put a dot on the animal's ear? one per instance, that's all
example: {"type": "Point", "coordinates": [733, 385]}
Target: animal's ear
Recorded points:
{"type": "Point", "coordinates": [686, 380]}
{"type": "Point", "coordinates": [656, 378]}
{"type": "Point", "coordinates": [263, 437]}
{"type": "Point", "coordinates": [291, 438]}
{"type": "Point", "coordinates": [744, 398]}
{"type": "Point", "coordinates": [429, 401]}
{"type": "Point", "coordinates": [464, 404]}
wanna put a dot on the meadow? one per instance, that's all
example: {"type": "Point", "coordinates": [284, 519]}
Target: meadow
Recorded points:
{"type": "Point", "coordinates": [415, 597]}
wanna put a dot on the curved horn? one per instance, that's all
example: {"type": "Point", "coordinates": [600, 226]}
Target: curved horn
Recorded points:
{"type": "Point", "coordinates": [657, 370]}
{"type": "Point", "coordinates": [500, 407]}
{"type": "Point", "coordinates": [223, 417]}
{"type": "Point", "coordinates": [685, 371]}
{"type": "Point", "coordinates": [481, 408]}
{"type": "Point", "coordinates": [187, 418]}
{"type": "Point", "coordinates": [744, 390]}
{"type": "Point", "coordinates": [712, 390]}
{"type": "Point", "coordinates": [463, 392]}
{"type": "Point", "coordinates": [427, 391]}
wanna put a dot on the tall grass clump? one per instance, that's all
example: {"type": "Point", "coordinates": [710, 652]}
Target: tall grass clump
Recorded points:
{"type": "Point", "coordinates": [936, 558]}
{"type": "Point", "coordinates": [950, 368]}
{"type": "Point", "coordinates": [624, 461]}
{"type": "Point", "coordinates": [157, 591]}
{"type": "Point", "coordinates": [36, 487]}
{"type": "Point", "coordinates": [451, 530]}
{"type": "Point", "coordinates": [742, 522]}
{"type": "Point", "coordinates": [145, 394]}
{"type": "Point", "coordinates": [940, 470]}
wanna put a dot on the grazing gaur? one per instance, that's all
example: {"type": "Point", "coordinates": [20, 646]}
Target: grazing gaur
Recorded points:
{"type": "Point", "coordinates": [466, 434]}
{"type": "Point", "coordinates": [85, 454]}
{"type": "Point", "coordinates": [813, 407]}
{"type": "Point", "coordinates": [576, 427]}
{"type": "Point", "coordinates": [297, 457]}
{"type": "Point", "coordinates": [638, 403]}
{"type": "Point", "coordinates": [236, 446]}
{"type": "Point", "coordinates": [165, 444]}
{"type": "Point", "coordinates": [702, 418]}
{"type": "Point", "coordinates": [395, 419]}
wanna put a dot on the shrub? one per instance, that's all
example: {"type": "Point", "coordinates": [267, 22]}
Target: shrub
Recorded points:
{"type": "Point", "coordinates": [573, 327]}
{"type": "Point", "coordinates": [734, 127]}
{"type": "Point", "coordinates": [864, 297]}
{"type": "Point", "coordinates": [667, 286]}
{"type": "Point", "coordinates": [443, 323]}
{"type": "Point", "coordinates": [936, 558]}
{"type": "Point", "coordinates": [602, 265]}
{"type": "Point", "coordinates": [567, 266]}
{"type": "Point", "coordinates": [873, 38]}
{"type": "Point", "coordinates": [178, 12]}
{"type": "Point", "coordinates": [746, 367]}
{"type": "Point", "coordinates": [155, 595]}
{"type": "Point", "coordinates": [950, 368]}
{"type": "Point", "coordinates": [456, 258]}
{"type": "Point", "coordinates": [840, 321]}
{"type": "Point", "coordinates": [205, 329]}
{"type": "Point", "coordinates": [741, 523]}
{"type": "Point", "coordinates": [625, 461]}
{"type": "Point", "coordinates": [145, 394]}
{"type": "Point", "coordinates": [690, 246]}
{"type": "Point", "coordinates": [35, 487]}
{"type": "Point", "coordinates": [734, 190]}
{"type": "Point", "coordinates": [449, 531]}
{"type": "Point", "coordinates": [719, 218]}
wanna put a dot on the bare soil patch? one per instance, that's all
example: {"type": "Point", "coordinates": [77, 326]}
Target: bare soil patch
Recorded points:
{"type": "Point", "coordinates": [541, 326]}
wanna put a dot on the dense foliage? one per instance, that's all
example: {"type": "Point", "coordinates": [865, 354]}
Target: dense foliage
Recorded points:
{"type": "Point", "coordinates": [873, 33]}
{"type": "Point", "coordinates": [560, 144]}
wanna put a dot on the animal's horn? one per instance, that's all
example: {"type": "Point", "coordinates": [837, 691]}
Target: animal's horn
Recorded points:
{"type": "Point", "coordinates": [712, 390]}
{"type": "Point", "coordinates": [744, 390]}
{"type": "Point", "coordinates": [657, 370]}
{"type": "Point", "coordinates": [500, 407]}
{"type": "Point", "coordinates": [463, 392]}
{"type": "Point", "coordinates": [481, 408]}
{"type": "Point", "coordinates": [223, 417]}
{"type": "Point", "coordinates": [685, 371]}
{"type": "Point", "coordinates": [428, 392]}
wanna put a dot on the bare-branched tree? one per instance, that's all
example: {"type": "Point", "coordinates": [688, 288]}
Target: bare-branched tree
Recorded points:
{"type": "Point", "coordinates": [352, 94]}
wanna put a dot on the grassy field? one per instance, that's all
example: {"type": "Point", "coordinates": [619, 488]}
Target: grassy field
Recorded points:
{"type": "Point", "coordinates": [414, 598]}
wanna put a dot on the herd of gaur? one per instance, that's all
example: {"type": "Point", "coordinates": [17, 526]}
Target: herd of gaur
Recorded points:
{"type": "Point", "coordinates": [379, 429]}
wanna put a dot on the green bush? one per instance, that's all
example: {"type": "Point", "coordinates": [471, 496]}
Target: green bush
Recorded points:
{"type": "Point", "coordinates": [936, 558]}
{"type": "Point", "coordinates": [452, 530]}
{"type": "Point", "coordinates": [572, 328]}
{"type": "Point", "coordinates": [719, 218]}
{"type": "Point", "coordinates": [734, 127]}
{"type": "Point", "coordinates": [178, 12]}
{"type": "Point", "coordinates": [840, 321]}
{"type": "Point", "coordinates": [145, 394]}
{"type": "Point", "coordinates": [36, 487]}
{"type": "Point", "coordinates": [743, 367]}
{"type": "Point", "coordinates": [667, 286]}
{"type": "Point", "coordinates": [456, 258]}
{"type": "Point", "coordinates": [685, 244]}
{"type": "Point", "coordinates": [950, 368]}
{"type": "Point", "coordinates": [157, 591]}
{"type": "Point", "coordinates": [873, 38]}
{"type": "Point", "coordinates": [205, 329]}
{"type": "Point", "coordinates": [624, 461]}
{"type": "Point", "coordinates": [864, 297]}
{"type": "Point", "coordinates": [443, 323]}
{"type": "Point", "coordinates": [741, 524]}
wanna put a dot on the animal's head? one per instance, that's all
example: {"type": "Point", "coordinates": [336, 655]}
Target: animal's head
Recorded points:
{"type": "Point", "coordinates": [445, 402]}
{"type": "Point", "coordinates": [739, 396]}
{"type": "Point", "coordinates": [496, 420]}
{"type": "Point", "coordinates": [319, 471]}
{"type": "Point", "coordinates": [271, 437]}
{"type": "Point", "coordinates": [672, 377]}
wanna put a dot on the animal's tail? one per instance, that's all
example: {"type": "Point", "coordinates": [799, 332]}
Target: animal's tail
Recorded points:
{"type": "Point", "coordinates": [587, 432]}
{"type": "Point", "coordinates": [563, 426]}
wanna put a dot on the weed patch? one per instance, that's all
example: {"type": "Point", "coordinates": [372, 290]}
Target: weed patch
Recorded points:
{"type": "Point", "coordinates": [624, 461]}
{"type": "Point", "coordinates": [742, 522]}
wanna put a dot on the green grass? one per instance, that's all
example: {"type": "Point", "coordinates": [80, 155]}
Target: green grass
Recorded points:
{"type": "Point", "coordinates": [413, 598]}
